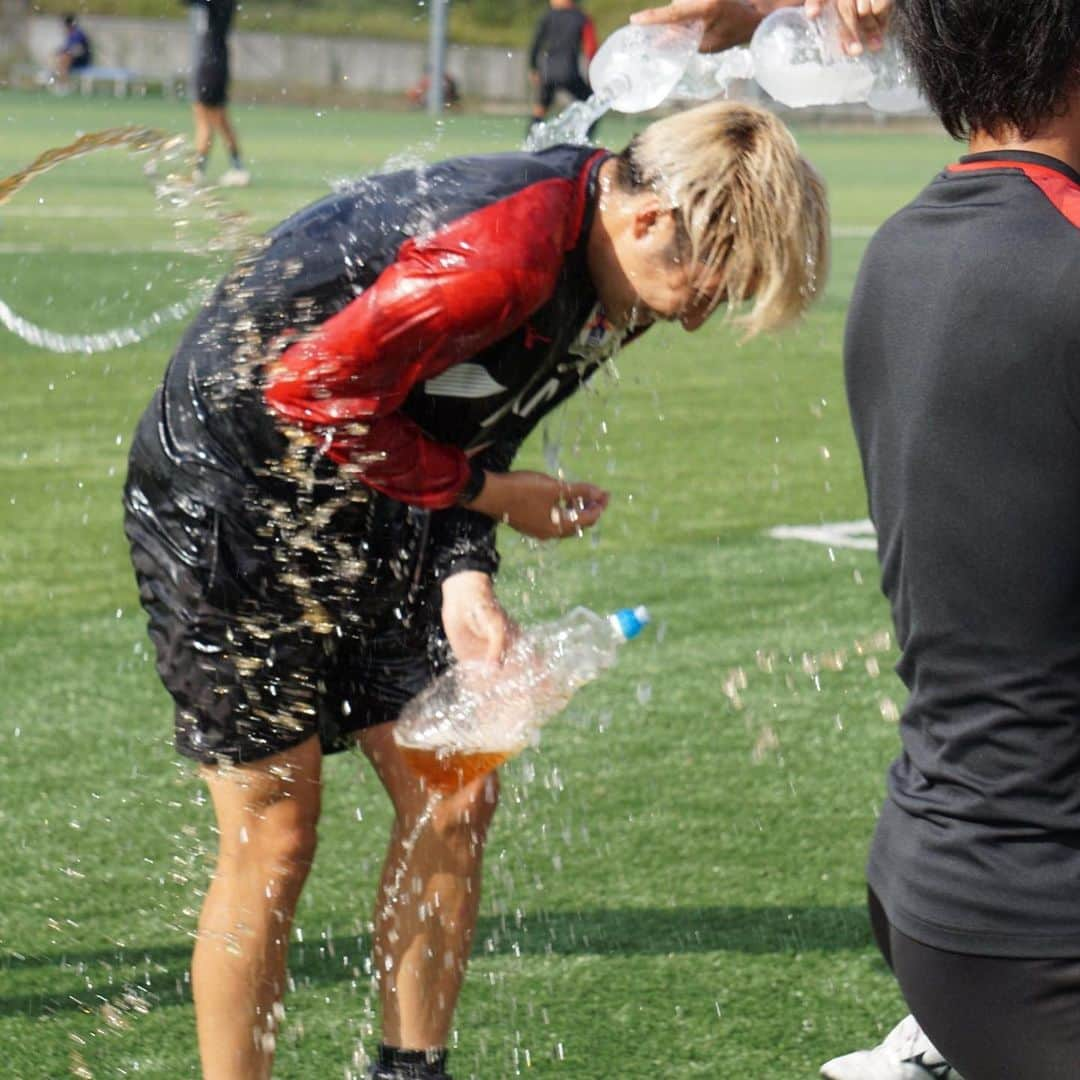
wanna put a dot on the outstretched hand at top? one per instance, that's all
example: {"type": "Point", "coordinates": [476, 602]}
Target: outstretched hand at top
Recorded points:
{"type": "Point", "coordinates": [727, 22]}
{"type": "Point", "coordinates": [862, 22]}
{"type": "Point", "coordinates": [732, 22]}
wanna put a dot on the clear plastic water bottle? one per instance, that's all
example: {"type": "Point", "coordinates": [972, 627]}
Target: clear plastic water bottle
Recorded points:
{"type": "Point", "coordinates": [473, 717]}
{"type": "Point", "coordinates": [637, 67]}
{"type": "Point", "coordinates": [709, 75]}
{"type": "Point", "coordinates": [799, 62]}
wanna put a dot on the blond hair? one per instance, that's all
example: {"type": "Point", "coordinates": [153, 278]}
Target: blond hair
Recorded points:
{"type": "Point", "coordinates": [753, 209]}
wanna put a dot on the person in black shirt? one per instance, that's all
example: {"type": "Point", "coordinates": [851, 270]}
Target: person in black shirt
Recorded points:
{"type": "Point", "coordinates": [212, 20]}
{"type": "Point", "coordinates": [562, 35]}
{"type": "Point", "coordinates": [963, 377]}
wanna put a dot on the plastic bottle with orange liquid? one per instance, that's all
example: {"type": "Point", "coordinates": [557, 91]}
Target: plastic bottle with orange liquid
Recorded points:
{"type": "Point", "coordinates": [474, 717]}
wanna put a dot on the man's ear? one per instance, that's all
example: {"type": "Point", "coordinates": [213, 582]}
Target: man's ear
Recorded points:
{"type": "Point", "coordinates": [648, 213]}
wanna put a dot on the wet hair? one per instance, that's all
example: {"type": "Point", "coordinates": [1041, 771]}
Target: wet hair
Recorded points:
{"type": "Point", "coordinates": [752, 209]}
{"type": "Point", "coordinates": [990, 66]}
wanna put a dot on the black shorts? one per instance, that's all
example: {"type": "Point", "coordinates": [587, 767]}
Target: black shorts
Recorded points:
{"type": "Point", "coordinates": [574, 85]}
{"type": "Point", "coordinates": [254, 679]}
{"type": "Point", "coordinates": [992, 1018]}
{"type": "Point", "coordinates": [211, 82]}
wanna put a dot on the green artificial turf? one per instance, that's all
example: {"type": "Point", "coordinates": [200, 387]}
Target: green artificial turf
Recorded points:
{"type": "Point", "coordinates": [674, 884]}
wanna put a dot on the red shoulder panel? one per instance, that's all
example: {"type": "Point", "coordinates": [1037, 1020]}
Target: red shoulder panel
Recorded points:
{"type": "Point", "coordinates": [1059, 189]}
{"type": "Point", "coordinates": [588, 38]}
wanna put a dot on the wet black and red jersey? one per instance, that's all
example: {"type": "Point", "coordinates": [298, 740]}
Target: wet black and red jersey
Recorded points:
{"type": "Point", "coordinates": [390, 329]}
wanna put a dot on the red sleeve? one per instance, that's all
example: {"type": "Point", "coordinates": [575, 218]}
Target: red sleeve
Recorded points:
{"type": "Point", "coordinates": [445, 298]}
{"type": "Point", "coordinates": [588, 39]}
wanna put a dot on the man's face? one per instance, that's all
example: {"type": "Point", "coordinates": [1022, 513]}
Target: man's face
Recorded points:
{"type": "Point", "coordinates": [659, 282]}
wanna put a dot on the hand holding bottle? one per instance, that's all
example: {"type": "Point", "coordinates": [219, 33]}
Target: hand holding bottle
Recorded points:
{"type": "Point", "coordinates": [862, 23]}
{"type": "Point", "coordinates": [732, 22]}
{"type": "Point", "coordinates": [473, 717]}
{"type": "Point", "coordinates": [476, 626]}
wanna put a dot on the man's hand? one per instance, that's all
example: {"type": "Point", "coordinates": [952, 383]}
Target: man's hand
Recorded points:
{"type": "Point", "coordinates": [539, 505]}
{"type": "Point", "coordinates": [862, 22]}
{"type": "Point", "coordinates": [727, 22]}
{"type": "Point", "coordinates": [733, 22]}
{"type": "Point", "coordinates": [476, 626]}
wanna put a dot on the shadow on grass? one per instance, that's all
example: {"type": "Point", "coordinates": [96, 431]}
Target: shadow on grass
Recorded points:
{"type": "Point", "coordinates": [84, 980]}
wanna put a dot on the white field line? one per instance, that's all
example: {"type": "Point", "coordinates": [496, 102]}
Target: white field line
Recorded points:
{"type": "Point", "coordinates": [838, 534]}
{"type": "Point", "coordinates": [96, 249]}
{"type": "Point", "coordinates": [93, 213]}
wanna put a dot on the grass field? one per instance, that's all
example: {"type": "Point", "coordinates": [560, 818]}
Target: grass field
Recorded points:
{"type": "Point", "coordinates": [674, 886]}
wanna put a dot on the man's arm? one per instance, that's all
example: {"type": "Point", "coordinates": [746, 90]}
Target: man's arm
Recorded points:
{"type": "Point", "coordinates": [534, 48]}
{"type": "Point", "coordinates": [444, 299]}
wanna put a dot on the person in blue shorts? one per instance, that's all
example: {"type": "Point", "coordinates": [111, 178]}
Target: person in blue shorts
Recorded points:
{"type": "Point", "coordinates": [75, 54]}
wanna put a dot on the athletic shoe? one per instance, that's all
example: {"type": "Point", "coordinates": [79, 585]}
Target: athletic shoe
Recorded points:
{"type": "Point", "coordinates": [235, 178]}
{"type": "Point", "coordinates": [906, 1054]}
{"type": "Point", "coordinates": [405, 1072]}
{"type": "Point", "coordinates": [198, 177]}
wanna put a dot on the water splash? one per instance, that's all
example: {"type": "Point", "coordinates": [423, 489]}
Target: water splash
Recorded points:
{"type": "Point", "coordinates": [167, 166]}
{"type": "Point", "coordinates": [572, 125]}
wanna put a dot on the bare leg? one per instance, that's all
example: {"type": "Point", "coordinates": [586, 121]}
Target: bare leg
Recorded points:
{"type": "Point", "coordinates": [220, 119]}
{"type": "Point", "coordinates": [204, 131]}
{"type": "Point", "coordinates": [266, 814]}
{"type": "Point", "coordinates": [423, 935]}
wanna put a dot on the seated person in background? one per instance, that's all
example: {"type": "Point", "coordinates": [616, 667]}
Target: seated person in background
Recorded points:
{"type": "Point", "coordinates": [418, 94]}
{"type": "Point", "coordinates": [75, 54]}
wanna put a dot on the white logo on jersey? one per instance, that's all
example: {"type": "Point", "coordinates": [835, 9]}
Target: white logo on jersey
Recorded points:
{"type": "Point", "coordinates": [519, 408]}
{"type": "Point", "coordinates": [545, 393]}
{"type": "Point", "coordinates": [463, 381]}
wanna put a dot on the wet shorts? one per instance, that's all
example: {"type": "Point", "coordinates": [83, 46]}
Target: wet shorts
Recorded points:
{"type": "Point", "coordinates": [211, 82]}
{"type": "Point", "coordinates": [250, 684]}
{"type": "Point", "coordinates": [573, 84]}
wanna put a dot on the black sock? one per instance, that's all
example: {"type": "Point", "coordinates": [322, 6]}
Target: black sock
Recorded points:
{"type": "Point", "coordinates": [412, 1063]}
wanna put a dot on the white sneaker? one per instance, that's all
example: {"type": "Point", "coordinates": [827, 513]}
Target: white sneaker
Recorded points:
{"type": "Point", "coordinates": [906, 1054]}
{"type": "Point", "coordinates": [235, 178]}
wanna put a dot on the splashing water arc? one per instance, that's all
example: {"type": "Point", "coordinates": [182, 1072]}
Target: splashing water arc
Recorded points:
{"type": "Point", "coordinates": [161, 149]}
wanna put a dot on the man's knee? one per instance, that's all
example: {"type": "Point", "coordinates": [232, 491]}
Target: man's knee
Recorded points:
{"type": "Point", "coordinates": [462, 821]}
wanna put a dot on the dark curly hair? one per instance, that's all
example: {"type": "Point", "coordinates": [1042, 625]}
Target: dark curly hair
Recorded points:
{"type": "Point", "coordinates": [992, 65]}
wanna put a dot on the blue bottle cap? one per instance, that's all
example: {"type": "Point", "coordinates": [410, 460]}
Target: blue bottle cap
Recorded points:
{"type": "Point", "coordinates": [631, 621]}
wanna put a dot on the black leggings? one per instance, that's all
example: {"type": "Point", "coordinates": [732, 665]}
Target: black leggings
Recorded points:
{"type": "Point", "coordinates": [992, 1018]}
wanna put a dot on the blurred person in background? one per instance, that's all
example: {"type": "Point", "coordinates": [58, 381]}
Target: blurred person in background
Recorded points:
{"type": "Point", "coordinates": [563, 36]}
{"type": "Point", "coordinates": [417, 94]}
{"type": "Point", "coordinates": [75, 54]}
{"type": "Point", "coordinates": [212, 21]}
